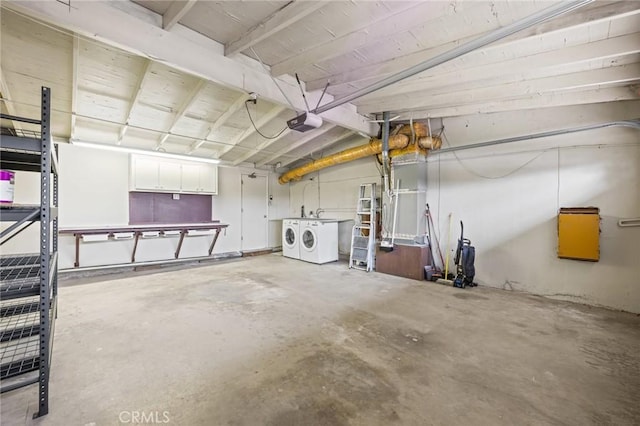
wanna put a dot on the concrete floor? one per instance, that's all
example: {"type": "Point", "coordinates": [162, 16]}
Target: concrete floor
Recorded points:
{"type": "Point", "coordinates": [274, 341]}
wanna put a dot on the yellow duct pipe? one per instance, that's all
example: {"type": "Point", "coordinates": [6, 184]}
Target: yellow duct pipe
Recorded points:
{"type": "Point", "coordinates": [424, 145]}
{"type": "Point", "coordinates": [372, 148]}
{"type": "Point", "coordinates": [419, 130]}
{"type": "Point", "coordinates": [431, 143]}
{"type": "Point", "coordinates": [409, 149]}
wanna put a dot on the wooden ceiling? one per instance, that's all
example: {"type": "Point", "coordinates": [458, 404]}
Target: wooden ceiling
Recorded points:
{"type": "Point", "coordinates": [175, 76]}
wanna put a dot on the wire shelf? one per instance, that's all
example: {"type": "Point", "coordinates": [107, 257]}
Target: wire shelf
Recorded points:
{"type": "Point", "coordinates": [19, 272]}
{"type": "Point", "coordinates": [18, 261]}
{"type": "Point", "coordinates": [19, 326]}
{"type": "Point", "coordinates": [20, 288]}
{"type": "Point", "coordinates": [19, 357]}
{"type": "Point", "coordinates": [19, 306]}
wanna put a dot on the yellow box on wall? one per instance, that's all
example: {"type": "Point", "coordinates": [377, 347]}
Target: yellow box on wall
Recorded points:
{"type": "Point", "coordinates": [579, 233]}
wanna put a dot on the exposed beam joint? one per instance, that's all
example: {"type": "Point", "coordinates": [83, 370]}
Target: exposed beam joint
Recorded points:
{"type": "Point", "coordinates": [288, 15]}
{"type": "Point", "coordinates": [233, 108]}
{"type": "Point", "coordinates": [136, 95]}
{"type": "Point", "coordinates": [270, 115]}
{"type": "Point", "coordinates": [305, 139]}
{"type": "Point", "coordinates": [176, 12]}
{"type": "Point", "coordinates": [192, 97]}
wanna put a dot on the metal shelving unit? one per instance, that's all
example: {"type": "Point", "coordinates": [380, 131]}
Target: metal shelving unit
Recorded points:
{"type": "Point", "coordinates": [29, 283]}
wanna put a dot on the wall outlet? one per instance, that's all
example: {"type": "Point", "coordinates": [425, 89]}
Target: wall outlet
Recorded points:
{"type": "Point", "coordinates": [176, 196]}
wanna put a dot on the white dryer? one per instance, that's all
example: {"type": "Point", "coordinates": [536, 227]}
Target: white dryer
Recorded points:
{"type": "Point", "coordinates": [319, 240]}
{"type": "Point", "coordinates": [290, 238]}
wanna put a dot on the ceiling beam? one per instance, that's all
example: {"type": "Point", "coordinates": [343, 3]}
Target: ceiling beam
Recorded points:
{"type": "Point", "coordinates": [176, 12]}
{"type": "Point", "coordinates": [191, 98]}
{"type": "Point", "coordinates": [6, 97]}
{"type": "Point", "coordinates": [531, 66]}
{"type": "Point", "coordinates": [534, 101]}
{"type": "Point", "coordinates": [369, 33]}
{"type": "Point", "coordinates": [134, 99]}
{"type": "Point", "coordinates": [74, 84]}
{"type": "Point", "coordinates": [188, 51]}
{"type": "Point", "coordinates": [281, 19]}
{"type": "Point", "coordinates": [305, 139]}
{"type": "Point", "coordinates": [233, 108]}
{"type": "Point", "coordinates": [585, 80]}
{"type": "Point", "coordinates": [264, 145]}
{"type": "Point", "coordinates": [560, 32]}
{"type": "Point", "coordinates": [270, 115]}
{"type": "Point", "coordinates": [341, 137]}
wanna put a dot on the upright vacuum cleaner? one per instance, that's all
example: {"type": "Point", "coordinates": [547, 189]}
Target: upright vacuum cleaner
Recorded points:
{"type": "Point", "coordinates": [464, 260]}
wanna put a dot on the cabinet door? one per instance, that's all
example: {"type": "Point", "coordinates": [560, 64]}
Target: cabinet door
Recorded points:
{"type": "Point", "coordinates": [209, 179]}
{"type": "Point", "coordinates": [169, 176]}
{"type": "Point", "coordinates": [145, 174]}
{"type": "Point", "coordinates": [191, 177]}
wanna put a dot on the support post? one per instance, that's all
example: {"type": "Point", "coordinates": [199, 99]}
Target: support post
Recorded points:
{"type": "Point", "coordinates": [213, 243]}
{"type": "Point", "coordinates": [45, 253]}
{"type": "Point", "coordinates": [182, 234]}
{"type": "Point", "coordinates": [135, 246]}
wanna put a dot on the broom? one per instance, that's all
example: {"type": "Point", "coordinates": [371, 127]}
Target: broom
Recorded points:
{"type": "Point", "coordinates": [445, 280]}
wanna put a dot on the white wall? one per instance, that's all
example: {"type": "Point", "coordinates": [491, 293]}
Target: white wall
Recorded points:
{"type": "Point", "coordinates": [511, 220]}
{"type": "Point", "coordinates": [227, 207]}
{"type": "Point", "coordinates": [94, 191]}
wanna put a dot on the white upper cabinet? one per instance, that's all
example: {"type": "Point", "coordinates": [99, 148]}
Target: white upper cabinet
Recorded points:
{"type": "Point", "coordinates": [152, 174]}
{"type": "Point", "coordinates": [209, 178]}
{"type": "Point", "coordinates": [191, 177]}
{"type": "Point", "coordinates": [169, 174]}
{"type": "Point", "coordinates": [144, 174]}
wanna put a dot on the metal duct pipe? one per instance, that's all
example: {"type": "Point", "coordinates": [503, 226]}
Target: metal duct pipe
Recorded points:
{"type": "Point", "coordinates": [625, 123]}
{"type": "Point", "coordinates": [522, 24]}
{"type": "Point", "coordinates": [372, 148]}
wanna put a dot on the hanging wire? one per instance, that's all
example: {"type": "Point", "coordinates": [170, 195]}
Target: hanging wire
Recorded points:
{"type": "Point", "coordinates": [464, 166]}
{"type": "Point", "coordinates": [256, 128]}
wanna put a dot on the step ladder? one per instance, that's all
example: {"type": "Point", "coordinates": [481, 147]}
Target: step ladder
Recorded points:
{"type": "Point", "coordinates": [363, 236]}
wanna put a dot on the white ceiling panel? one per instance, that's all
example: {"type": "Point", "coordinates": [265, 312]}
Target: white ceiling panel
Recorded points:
{"type": "Point", "coordinates": [107, 71]}
{"type": "Point", "coordinates": [151, 118]}
{"type": "Point", "coordinates": [101, 106]}
{"type": "Point", "coordinates": [212, 103]}
{"type": "Point", "coordinates": [224, 21]}
{"type": "Point", "coordinates": [96, 131]}
{"type": "Point", "coordinates": [191, 127]}
{"type": "Point", "coordinates": [166, 88]}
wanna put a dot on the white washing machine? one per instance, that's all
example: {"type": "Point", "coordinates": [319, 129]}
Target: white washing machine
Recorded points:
{"type": "Point", "coordinates": [319, 240]}
{"type": "Point", "coordinates": [290, 237]}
